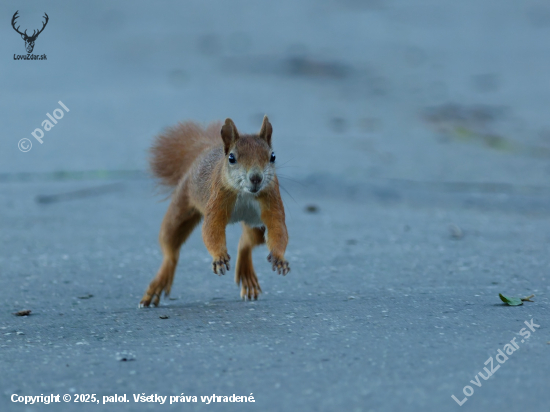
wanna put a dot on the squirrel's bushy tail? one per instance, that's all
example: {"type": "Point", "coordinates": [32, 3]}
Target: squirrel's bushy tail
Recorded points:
{"type": "Point", "coordinates": [174, 151]}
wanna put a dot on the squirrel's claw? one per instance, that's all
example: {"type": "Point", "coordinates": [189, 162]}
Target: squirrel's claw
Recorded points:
{"type": "Point", "coordinates": [220, 265]}
{"type": "Point", "coordinates": [161, 283]}
{"type": "Point", "coordinates": [280, 265]}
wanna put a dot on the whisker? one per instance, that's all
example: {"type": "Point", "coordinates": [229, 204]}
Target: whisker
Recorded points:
{"type": "Point", "coordinates": [287, 167]}
{"type": "Point", "coordinates": [292, 158]}
{"type": "Point", "coordinates": [288, 193]}
{"type": "Point", "coordinates": [292, 180]}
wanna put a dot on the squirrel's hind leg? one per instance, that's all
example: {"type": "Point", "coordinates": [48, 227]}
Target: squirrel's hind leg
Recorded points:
{"type": "Point", "coordinates": [244, 269]}
{"type": "Point", "coordinates": [178, 224]}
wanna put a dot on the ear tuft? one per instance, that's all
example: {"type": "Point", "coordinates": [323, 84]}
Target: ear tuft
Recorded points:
{"type": "Point", "coordinates": [229, 134]}
{"type": "Point", "coordinates": [266, 130]}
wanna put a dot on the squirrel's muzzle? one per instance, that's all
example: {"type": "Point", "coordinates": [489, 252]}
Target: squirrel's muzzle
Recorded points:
{"type": "Point", "coordinates": [255, 182]}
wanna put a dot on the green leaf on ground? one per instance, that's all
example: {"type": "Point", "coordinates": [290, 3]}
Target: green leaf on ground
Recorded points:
{"type": "Point", "coordinates": [510, 301]}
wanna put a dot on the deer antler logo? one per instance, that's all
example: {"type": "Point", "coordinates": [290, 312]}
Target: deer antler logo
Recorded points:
{"type": "Point", "coordinates": [29, 40]}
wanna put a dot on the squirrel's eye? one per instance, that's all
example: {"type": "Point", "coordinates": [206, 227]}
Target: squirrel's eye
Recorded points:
{"type": "Point", "coordinates": [272, 159]}
{"type": "Point", "coordinates": [232, 158]}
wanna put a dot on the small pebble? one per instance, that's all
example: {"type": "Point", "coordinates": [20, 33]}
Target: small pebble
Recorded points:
{"type": "Point", "coordinates": [312, 209]}
{"type": "Point", "coordinates": [456, 232]}
{"type": "Point", "coordinates": [23, 313]}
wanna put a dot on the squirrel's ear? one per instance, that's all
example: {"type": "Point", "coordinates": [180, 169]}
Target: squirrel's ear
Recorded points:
{"type": "Point", "coordinates": [229, 134]}
{"type": "Point", "coordinates": [266, 131]}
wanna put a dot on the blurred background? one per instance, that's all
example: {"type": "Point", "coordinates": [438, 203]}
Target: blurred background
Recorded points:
{"type": "Point", "coordinates": [357, 90]}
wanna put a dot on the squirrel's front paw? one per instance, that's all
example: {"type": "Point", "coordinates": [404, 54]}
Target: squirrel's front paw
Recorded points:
{"type": "Point", "coordinates": [278, 264]}
{"type": "Point", "coordinates": [220, 264]}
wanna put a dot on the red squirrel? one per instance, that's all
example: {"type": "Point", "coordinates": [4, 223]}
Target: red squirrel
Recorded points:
{"type": "Point", "coordinates": [223, 180]}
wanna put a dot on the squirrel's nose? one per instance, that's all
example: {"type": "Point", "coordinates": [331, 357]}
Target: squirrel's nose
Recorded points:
{"type": "Point", "coordinates": [256, 179]}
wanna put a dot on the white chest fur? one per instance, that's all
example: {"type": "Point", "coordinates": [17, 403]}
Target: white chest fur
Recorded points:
{"type": "Point", "coordinates": [247, 209]}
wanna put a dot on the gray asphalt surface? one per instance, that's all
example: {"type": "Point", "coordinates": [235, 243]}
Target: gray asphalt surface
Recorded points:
{"type": "Point", "coordinates": [413, 142]}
